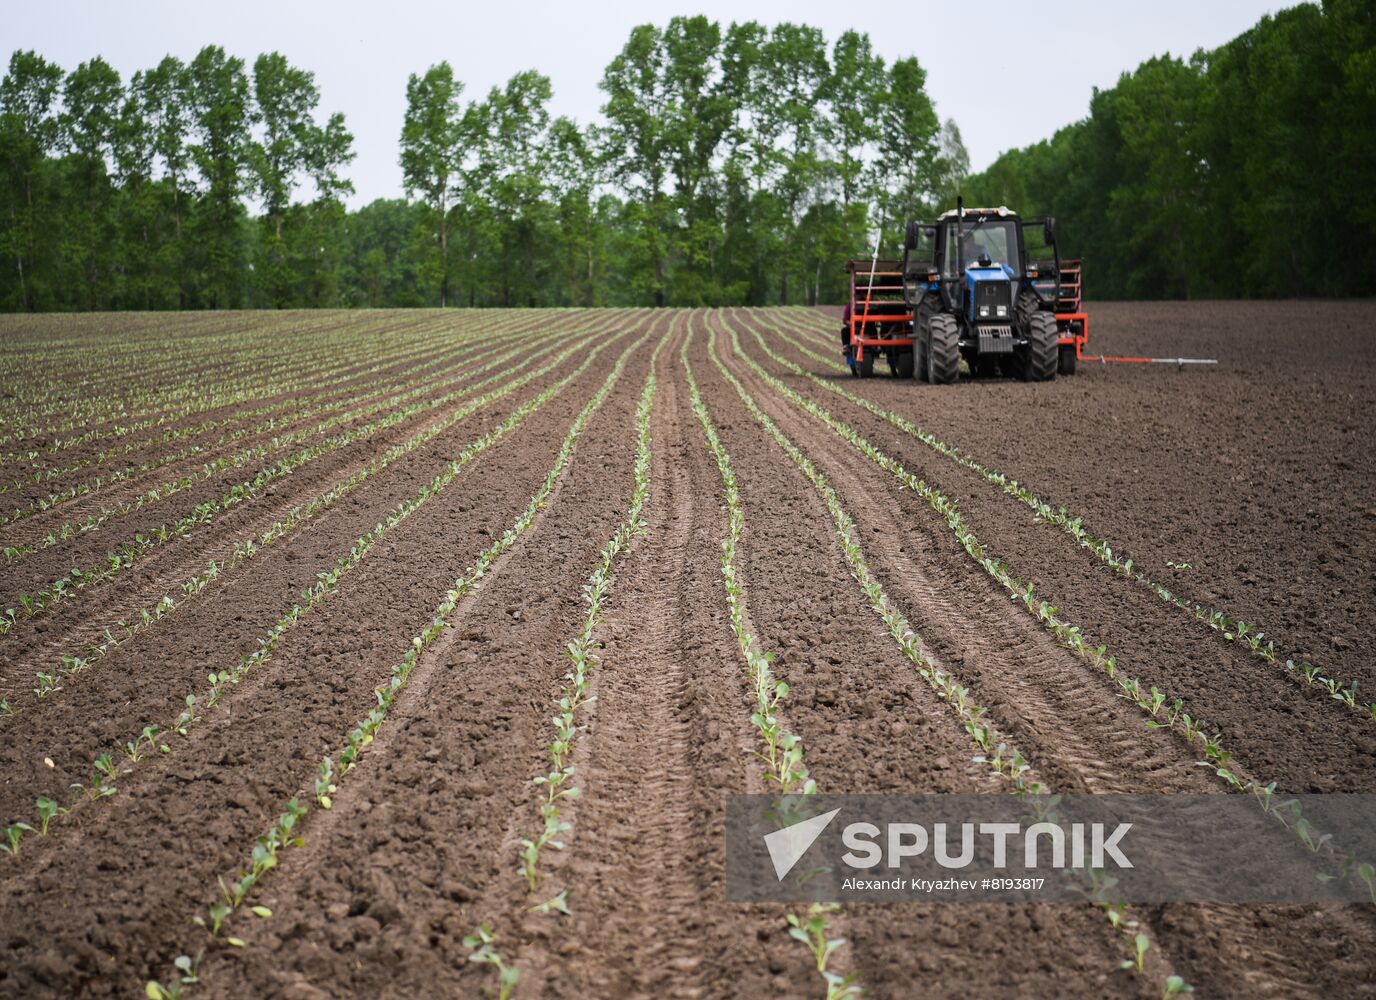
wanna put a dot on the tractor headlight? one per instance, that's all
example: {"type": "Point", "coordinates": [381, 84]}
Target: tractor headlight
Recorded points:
{"type": "Point", "coordinates": [1003, 311]}
{"type": "Point", "coordinates": [983, 311]}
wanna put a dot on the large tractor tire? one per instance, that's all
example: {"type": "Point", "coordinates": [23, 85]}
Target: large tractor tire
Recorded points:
{"type": "Point", "coordinates": [942, 343]}
{"type": "Point", "coordinates": [1043, 349]}
{"type": "Point", "coordinates": [904, 366]}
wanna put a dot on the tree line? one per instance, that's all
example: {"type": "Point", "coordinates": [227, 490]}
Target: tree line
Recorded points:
{"type": "Point", "coordinates": [735, 164]}
{"type": "Point", "coordinates": [131, 196]}
{"type": "Point", "coordinates": [732, 165]}
{"type": "Point", "coordinates": [1242, 171]}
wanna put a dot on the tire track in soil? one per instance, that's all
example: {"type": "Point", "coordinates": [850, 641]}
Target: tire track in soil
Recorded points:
{"type": "Point", "coordinates": [644, 863]}
{"type": "Point", "coordinates": [1305, 742]}
{"type": "Point", "coordinates": [872, 725]}
{"type": "Point", "coordinates": [392, 880]}
{"type": "Point", "coordinates": [1250, 951]}
{"type": "Point", "coordinates": [137, 683]}
{"type": "Point", "coordinates": [1072, 725]}
{"type": "Point", "coordinates": [55, 633]}
{"type": "Point", "coordinates": [99, 910]}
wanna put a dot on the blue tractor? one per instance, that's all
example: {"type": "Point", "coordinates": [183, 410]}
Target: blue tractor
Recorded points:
{"type": "Point", "coordinates": [984, 285]}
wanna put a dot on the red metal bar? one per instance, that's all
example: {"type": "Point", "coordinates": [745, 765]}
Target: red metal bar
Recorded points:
{"type": "Point", "coordinates": [1080, 338]}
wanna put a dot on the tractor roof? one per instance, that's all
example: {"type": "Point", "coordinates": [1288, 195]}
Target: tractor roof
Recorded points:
{"type": "Point", "coordinates": [1002, 210]}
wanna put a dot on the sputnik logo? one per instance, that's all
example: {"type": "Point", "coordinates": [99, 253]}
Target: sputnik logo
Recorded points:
{"type": "Point", "coordinates": [786, 846]}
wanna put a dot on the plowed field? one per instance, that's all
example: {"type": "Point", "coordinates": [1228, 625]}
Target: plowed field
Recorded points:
{"type": "Point", "coordinates": [300, 604]}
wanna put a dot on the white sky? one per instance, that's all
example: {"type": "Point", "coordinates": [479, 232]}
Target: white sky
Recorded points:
{"type": "Point", "coordinates": [1037, 71]}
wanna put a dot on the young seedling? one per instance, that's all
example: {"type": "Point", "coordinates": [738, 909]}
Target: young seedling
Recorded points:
{"type": "Point", "coordinates": [842, 987]}
{"type": "Point", "coordinates": [1140, 944]}
{"type": "Point", "coordinates": [186, 967]}
{"type": "Point", "coordinates": [107, 769]}
{"type": "Point", "coordinates": [812, 931]}
{"type": "Point", "coordinates": [481, 946]}
{"type": "Point", "coordinates": [1175, 986]}
{"type": "Point", "coordinates": [558, 904]}
{"type": "Point", "coordinates": [1367, 873]}
{"type": "Point", "coordinates": [13, 835]}
{"type": "Point", "coordinates": [324, 783]}
{"type": "Point", "coordinates": [47, 809]}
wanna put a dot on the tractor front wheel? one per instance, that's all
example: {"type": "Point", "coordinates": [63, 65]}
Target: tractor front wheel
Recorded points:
{"type": "Point", "coordinates": [1043, 348]}
{"type": "Point", "coordinates": [941, 341]}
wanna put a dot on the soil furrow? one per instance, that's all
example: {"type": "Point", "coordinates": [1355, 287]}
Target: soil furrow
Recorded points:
{"type": "Point", "coordinates": [470, 733]}
{"type": "Point", "coordinates": [145, 681]}
{"type": "Point", "coordinates": [257, 750]}
{"type": "Point", "coordinates": [49, 635]}
{"type": "Point", "coordinates": [906, 739]}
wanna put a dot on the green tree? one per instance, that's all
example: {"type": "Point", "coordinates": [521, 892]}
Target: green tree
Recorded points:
{"type": "Point", "coordinates": [513, 175]}
{"type": "Point", "coordinates": [284, 100]}
{"type": "Point", "coordinates": [635, 145]}
{"type": "Point", "coordinates": [908, 148]}
{"type": "Point", "coordinates": [219, 103]}
{"type": "Point", "coordinates": [432, 151]}
{"type": "Point", "coordinates": [93, 96]}
{"type": "Point", "coordinates": [30, 130]}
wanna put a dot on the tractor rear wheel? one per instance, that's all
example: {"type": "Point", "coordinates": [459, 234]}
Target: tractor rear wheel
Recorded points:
{"type": "Point", "coordinates": [904, 367]}
{"type": "Point", "coordinates": [942, 342]}
{"type": "Point", "coordinates": [1043, 348]}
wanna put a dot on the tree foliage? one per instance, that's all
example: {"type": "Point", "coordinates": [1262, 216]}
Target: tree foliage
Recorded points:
{"type": "Point", "coordinates": [1241, 171]}
{"type": "Point", "coordinates": [736, 164]}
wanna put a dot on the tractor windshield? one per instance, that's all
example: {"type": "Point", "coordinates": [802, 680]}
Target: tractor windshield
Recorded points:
{"type": "Point", "coordinates": [996, 238]}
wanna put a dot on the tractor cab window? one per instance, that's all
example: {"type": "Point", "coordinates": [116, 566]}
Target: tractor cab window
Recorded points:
{"type": "Point", "coordinates": [922, 254]}
{"type": "Point", "coordinates": [997, 239]}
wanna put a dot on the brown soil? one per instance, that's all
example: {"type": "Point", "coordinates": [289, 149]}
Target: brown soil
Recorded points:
{"type": "Point", "coordinates": [1255, 473]}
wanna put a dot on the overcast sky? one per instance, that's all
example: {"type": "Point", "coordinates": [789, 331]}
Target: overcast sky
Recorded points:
{"type": "Point", "coordinates": [1042, 61]}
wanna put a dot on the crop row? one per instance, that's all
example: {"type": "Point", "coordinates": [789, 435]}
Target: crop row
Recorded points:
{"type": "Point", "coordinates": [124, 556]}
{"type": "Point", "coordinates": [265, 376]}
{"type": "Point", "coordinates": [780, 750]}
{"type": "Point", "coordinates": [368, 404]}
{"type": "Point", "coordinates": [1230, 628]}
{"type": "Point", "coordinates": [247, 549]}
{"type": "Point", "coordinates": [334, 388]}
{"type": "Point", "coordinates": [339, 765]}
{"type": "Point", "coordinates": [557, 784]}
{"type": "Point", "coordinates": [221, 366]}
{"type": "Point", "coordinates": [994, 749]}
{"type": "Point", "coordinates": [261, 397]}
{"type": "Point", "coordinates": [1161, 710]}
{"type": "Point", "coordinates": [119, 759]}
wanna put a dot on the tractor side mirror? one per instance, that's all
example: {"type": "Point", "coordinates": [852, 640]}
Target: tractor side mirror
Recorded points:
{"type": "Point", "coordinates": [910, 238]}
{"type": "Point", "coordinates": [1049, 230]}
